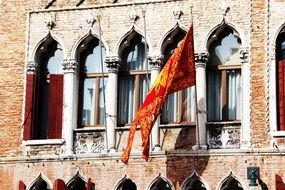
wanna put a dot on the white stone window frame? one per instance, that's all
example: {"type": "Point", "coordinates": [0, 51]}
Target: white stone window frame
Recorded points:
{"type": "Point", "coordinates": [272, 87]}
{"type": "Point", "coordinates": [33, 59]}
{"type": "Point", "coordinates": [245, 79]}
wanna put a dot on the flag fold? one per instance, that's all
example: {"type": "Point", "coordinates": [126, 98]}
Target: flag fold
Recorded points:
{"type": "Point", "coordinates": [177, 74]}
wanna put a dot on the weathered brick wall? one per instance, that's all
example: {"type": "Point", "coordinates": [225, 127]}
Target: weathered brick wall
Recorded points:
{"type": "Point", "coordinates": [106, 173]}
{"type": "Point", "coordinates": [259, 114]}
{"type": "Point", "coordinates": [19, 34]}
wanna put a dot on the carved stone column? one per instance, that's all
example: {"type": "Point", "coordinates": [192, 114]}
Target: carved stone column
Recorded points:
{"type": "Point", "coordinates": [245, 81]}
{"type": "Point", "coordinates": [70, 103]}
{"type": "Point", "coordinates": [111, 103]}
{"type": "Point", "coordinates": [201, 132]}
{"type": "Point", "coordinates": [155, 62]}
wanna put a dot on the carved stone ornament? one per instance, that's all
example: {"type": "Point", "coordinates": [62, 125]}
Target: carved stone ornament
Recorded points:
{"type": "Point", "coordinates": [155, 61]}
{"type": "Point", "coordinates": [201, 59]}
{"type": "Point", "coordinates": [90, 19]}
{"type": "Point", "coordinates": [50, 22]}
{"type": "Point", "coordinates": [113, 62]}
{"type": "Point", "coordinates": [70, 65]}
{"type": "Point", "coordinates": [223, 137]}
{"type": "Point", "coordinates": [224, 8]}
{"type": "Point", "coordinates": [32, 67]}
{"type": "Point", "coordinates": [89, 142]}
{"type": "Point", "coordinates": [177, 12]}
{"type": "Point", "coordinates": [244, 54]}
{"type": "Point", "coordinates": [133, 15]}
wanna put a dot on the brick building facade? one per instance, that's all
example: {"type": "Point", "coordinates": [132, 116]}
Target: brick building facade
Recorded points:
{"type": "Point", "coordinates": [51, 136]}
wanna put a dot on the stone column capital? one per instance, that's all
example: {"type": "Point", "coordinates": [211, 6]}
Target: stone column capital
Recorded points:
{"type": "Point", "coordinates": [201, 58]}
{"type": "Point", "coordinates": [244, 54]}
{"type": "Point", "coordinates": [32, 67]}
{"type": "Point", "coordinates": [155, 61]}
{"type": "Point", "coordinates": [70, 66]}
{"type": "Point", "coordinates": [113, 63]}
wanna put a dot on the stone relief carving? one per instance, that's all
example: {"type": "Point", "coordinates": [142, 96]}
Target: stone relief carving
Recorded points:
{"type": "Point", "coordinates": [223, 137]}
{"type": "Point", "coordinates": [177, 12]}
{"type": "Point", "coordinates": [133, 15]}
{"type": "Point", "coordinates": [89, 142]}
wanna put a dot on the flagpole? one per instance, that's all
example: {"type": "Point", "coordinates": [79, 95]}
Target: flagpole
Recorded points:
{"type": "Point", "coordinates": [145, 47]}
{"type": "Point", "coordinates": [196, 101]}
{"type": "Point", "coordinates": [103, 82]}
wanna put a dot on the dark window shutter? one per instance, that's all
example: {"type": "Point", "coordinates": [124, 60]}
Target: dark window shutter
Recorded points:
{"type": "Point", "coordinates": [59, 185]}
{"type": "Point", "coordinates": [55, 107]}
{"type": "Point", "coordinates": [22, 186]}
{"type": "Point", "coordinates": [281, 94]}
{"type": "Point", "coordinates": [29, 106]}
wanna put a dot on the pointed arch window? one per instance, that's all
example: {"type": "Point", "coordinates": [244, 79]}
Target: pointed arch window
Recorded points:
{"type": "Point", "coordinates": [127, 184]}
{"type": "Point", "coordinates": [231, 184]}
{"type": "Point", "coordinates": [280, 77]}
{"type": "Point", "coordinates": [77, 184]}
{"type": "Point", "coordinates": [180, 106]}
{"type": "Point", "coordinates": [160, 184]}
{"type": "Point", "coordinates": [92, 85]}
{"type": "Point", "coordinates": [132, 78]}
{"type": "Point", "coordinates": [39, 184]}
{"type": "Point", "coordinates": [44, 94]}
{"type": "Point", "coordinates": [224, 76]}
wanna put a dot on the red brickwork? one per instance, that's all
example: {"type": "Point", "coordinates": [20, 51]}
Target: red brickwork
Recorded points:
{"type": "Point", "coordinates": [259, 127]}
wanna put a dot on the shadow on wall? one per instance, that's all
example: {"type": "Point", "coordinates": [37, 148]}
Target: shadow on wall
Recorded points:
{"type": "Point", "coordinates": [179, 168]}
{"type": "Point", "coordinates": [186, 138]}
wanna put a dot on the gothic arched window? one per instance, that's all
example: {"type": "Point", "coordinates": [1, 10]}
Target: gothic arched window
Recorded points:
{"type": "Point", "coordinates": [44, 94]}
{"type": "Point", "coordinates": [91, 98]}
{"type": "Point", "coordinates": [280, 77]}
{"type": "Point", "coordinates": [180, 106]}
{"type": "Point", "coordinates": [133, 85]}
{"type": "Point", "coordinates": [224, 76]}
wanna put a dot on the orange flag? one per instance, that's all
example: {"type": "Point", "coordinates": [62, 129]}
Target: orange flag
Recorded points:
{"type": "Point", "coordinates": [177, 74]}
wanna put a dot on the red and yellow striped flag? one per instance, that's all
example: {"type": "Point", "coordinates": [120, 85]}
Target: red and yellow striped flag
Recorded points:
{"type": "Point", "coordinates": [177, 74]}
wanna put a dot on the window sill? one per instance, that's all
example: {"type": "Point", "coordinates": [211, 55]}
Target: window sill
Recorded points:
{"type": "Point", "coordinates": [43, 142]}
{"type": "Point", "coordinates": [278, 134]}
{"type": "Point", "coordinates": [90, 129]}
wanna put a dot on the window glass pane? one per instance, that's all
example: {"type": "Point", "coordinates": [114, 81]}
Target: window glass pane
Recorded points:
{"type": "Point", "coordinates": [93, 61]}
{"type": "Point", "coordinates": [189, 105]}
{"type": "Point", "coordinates": [101, 101]}
{"type": "Point", "coordinates": [88, 109]}
{"type": "Point", "coordinates": [214, 96]}
{"type": "Point", "coordinates": [225, 51]}
{"type": "Point", "coordinates": [126, 100]}
{"type": "Point", "coordinates": [170, 109]}
{"type": "Point", "coordinates": [143, 88]}
{"type": "Point", "coordinates": [134, 55]}
{"type": "Point", "coordinates": [234, 93]}
{"type": "Point", "coordinates": [54, 63]}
